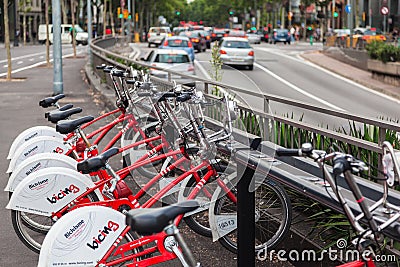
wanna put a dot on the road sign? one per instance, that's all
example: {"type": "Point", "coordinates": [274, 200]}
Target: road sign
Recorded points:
{"type": "Point", "coordinates": [347, 9]}
{"type": "Point", "coordinates": [384, 10]}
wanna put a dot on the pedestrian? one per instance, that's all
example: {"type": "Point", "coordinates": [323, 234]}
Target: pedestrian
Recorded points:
{"type": "Point", "coordinates": [292, 33]}
{"type": "Point", "coordinates": [34, 37]}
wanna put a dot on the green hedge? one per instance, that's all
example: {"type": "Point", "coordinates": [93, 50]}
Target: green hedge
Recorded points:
{"type": "Point", "coordinates": [383, 51]}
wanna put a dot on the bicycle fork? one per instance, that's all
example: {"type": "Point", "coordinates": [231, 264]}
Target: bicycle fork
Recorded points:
{"type": "Point", "coordinates": [171, 244]}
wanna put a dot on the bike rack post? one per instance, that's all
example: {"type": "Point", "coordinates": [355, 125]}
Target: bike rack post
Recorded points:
{"type": "Point", "coordinates": [245, 210]}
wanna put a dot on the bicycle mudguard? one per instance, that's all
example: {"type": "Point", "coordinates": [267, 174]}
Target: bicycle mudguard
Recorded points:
{"type": "Point", "coordinates": [30, 133]}
{"type": "Point", "coordinates": [48, 190]}
{"type": "Point", "coordinates": [37, 162]}
{"type": "Point", "coordinates": [81, 237]}
{"type": "Point", "coordinates": [35, 146]}
{"type": "Point", "coordinates": [221, 225]}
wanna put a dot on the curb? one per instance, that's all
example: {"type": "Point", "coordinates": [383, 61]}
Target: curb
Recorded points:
{"type": "Point", "coordinates": [105, 94]}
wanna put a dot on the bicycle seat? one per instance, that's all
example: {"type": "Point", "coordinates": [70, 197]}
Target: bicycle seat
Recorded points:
{"type": "Point", "coordinates": [49, 101]}
{"type": "Point", "coordinates": [58, 115]}
{"type": "Point", "coordinates": [96, 163]}
{"type": "Point", "coordinates": [63, 108]}
{"type": "Point", "coordinates": [68, 126]}
{"type": "Point", "coordinates": [154, 220]}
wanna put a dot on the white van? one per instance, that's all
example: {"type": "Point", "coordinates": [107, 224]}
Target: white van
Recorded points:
{"type": "Point", "coordinates": [81, 36]}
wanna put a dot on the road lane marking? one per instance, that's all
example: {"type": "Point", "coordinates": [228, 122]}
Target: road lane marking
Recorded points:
{"type": "Point", "coordinates": [294, 87]}
{"type": "Point", "coordinates": [202, 69]}
{"type": "Point", "coordinates": [298, 58]}
{"type": "Point", "coordinates": [35, 65]}
{"type": "Point", "coordinates": [40, 54]}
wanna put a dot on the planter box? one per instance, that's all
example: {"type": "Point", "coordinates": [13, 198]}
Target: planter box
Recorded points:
{"type": "Point", "coordinates": [387, 72]}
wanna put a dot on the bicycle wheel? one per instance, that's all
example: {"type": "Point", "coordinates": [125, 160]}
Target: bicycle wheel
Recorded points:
{"type": "Point", "coordinates": [199, 222]}
{"type": "Point", "coordinates": [149, 170]}
{"type": "Point", "coordinates": [32, 228]}
{"type": "Point", "coordinates": [273, 216]}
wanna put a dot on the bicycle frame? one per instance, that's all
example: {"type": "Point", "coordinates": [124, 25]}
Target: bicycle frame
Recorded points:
{"type": "Point", "coordinates": [124, 252]}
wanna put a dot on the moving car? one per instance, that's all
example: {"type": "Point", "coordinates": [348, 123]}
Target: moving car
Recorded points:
{"type": "Point", "coordinates": [237, 33]}
{"type": "Point", "coordinates": [157, 34]}
{"type": "Point", "coordinates": [236, 51]}
{"type": "Point", "coordinates": [253, 38]}
{"type": "Point", "coordinates": [218, 33]}
{"type": "Point", "coordinates": [280, 35]}
{"type": "Point", "coordinates": [179, 42]}
{"type": "Point", "coordinates": [197, 38]}
{"type": "Point", "coordinates": [172, 59]}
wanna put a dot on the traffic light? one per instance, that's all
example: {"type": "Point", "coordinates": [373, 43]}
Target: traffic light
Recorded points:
{"type": "Point", "coordinates": [126, 13]}
{"type": "Point", "coordinates": [335, 14]}
{"type": "Point", "coordinates": [231, 12]}
{"type": "Point", "coordinates": [119, 13]}
{"type": "Point", "coordinates": [177, 12]}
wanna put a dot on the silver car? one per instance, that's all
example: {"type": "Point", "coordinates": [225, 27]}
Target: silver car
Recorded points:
{"type": "Point", "coordinates": [171, 59]}
{"type": "Point", "coordinates": [236, 51]}
{"type": "Point", "coordinates": [157, 34]}
{"type": "Point", "coordinates": [254, 38]}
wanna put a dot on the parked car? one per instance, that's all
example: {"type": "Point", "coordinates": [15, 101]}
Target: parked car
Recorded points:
{"type": "Point", "coordinates": [157, 34]}
{"type": "Point", "coordinates": [280, 35]}
{"type": "Point", "coordinates": [236, 51]}
{"type": "Point", "coordinates": [81, 37]}
{"type": "Point", "coordinates": [373, 34]}
{"type": "Point", "coordinates": [179, 42]}
{"type": "Point", "coordinates": [172, 59]}
{"type": "Point", "coordinates": [197, 38]}
{"type": "Point", "coordinates": [253, 38]}
{"type": "Point", "coordinates": [218, 33]}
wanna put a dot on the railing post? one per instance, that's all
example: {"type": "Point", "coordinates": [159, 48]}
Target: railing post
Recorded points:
{"type": "Point", "coordinates": [381, 139]}
{"type": "Point", "coordinates": [267, 122]}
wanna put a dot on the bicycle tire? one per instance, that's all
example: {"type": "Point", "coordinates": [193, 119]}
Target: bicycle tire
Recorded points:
{"type": "Point", "coordinates": [149, 170]}
{"type": "Point", "coordinates": [32, 230]}
{"type": "Point", "coordinates": [277, 225]}
{"type": "Point", "coordinates": [199, 222]}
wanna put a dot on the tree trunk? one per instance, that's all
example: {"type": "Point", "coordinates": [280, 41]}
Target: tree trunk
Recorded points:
{"type": "Point", "coordinates": [24, 21]}
{"type": "Point", "coordinates": [112, 20]}
{"type": "Point", "coordinates": [47, 34]}
{"type": "Point", "coordinates": [64, 12]}
{"type": "Point", "coordinates": [104, 18]}
{"type": "Point", "coordinates": [7, 39]}
{"type": "Point", "coordinates": [73, 26]}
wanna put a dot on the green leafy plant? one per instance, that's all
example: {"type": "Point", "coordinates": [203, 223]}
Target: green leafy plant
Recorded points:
{"type": "Point", "coordinates": [216, 67]}
{"type": "Point", "coordinates": [382, 51]}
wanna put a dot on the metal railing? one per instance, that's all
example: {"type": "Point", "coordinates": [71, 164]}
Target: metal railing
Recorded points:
{"type": "Point", "coordinates": [270, 127]}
